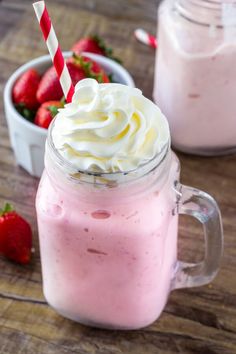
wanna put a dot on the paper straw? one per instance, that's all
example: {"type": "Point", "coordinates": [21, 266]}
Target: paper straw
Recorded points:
{"type": "Point", "coordinates": [54, 49]}
{"type": "Point", "coordinates": [145, 38]}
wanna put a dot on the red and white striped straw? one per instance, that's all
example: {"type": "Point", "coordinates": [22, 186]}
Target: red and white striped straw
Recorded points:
{"type": "Point", "coordinates": [145, 38]}
{"type": "Point", "coordinates": [54, 49]}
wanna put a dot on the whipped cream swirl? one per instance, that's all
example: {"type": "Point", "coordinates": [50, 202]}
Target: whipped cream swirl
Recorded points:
{"type": "Point", "coordinates": [109, 128]}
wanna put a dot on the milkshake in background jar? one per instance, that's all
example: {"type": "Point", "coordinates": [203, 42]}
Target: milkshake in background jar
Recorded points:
{"type": "Point", "coordinates": [195, 75]}
{"type": "Point", "coordinates": [107, 209]}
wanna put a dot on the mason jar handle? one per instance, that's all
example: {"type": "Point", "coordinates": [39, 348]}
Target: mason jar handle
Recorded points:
{"type": "Point", "coordinates": [204, 208]}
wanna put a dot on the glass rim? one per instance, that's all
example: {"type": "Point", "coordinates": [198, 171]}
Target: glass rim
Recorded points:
{"type": "Point", "coordinates": [214, 6]}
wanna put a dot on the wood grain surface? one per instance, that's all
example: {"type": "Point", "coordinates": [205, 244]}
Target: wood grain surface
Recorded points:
{"type": "Point", "coordinates": [200, 320]}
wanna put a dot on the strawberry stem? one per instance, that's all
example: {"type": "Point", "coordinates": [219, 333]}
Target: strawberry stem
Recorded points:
{"type": "Point", "coordinates": [110, 76]}
{"type": "Point", "coordinates": [53, 110]}
{"type": "Point", "coordinates": [7, 209]}
{"type": "Point", "coordinates": [87, 68]}
{"type": "Point", "coordinates": [63, 101]}
{"type": "Point", "coordinates": [28, 114]}
{"type": "Point", "coordinates": [108, 52]}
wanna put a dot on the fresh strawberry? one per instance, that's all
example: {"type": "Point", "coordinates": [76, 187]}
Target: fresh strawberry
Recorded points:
{"type": "Point", "coordinates": [15, 236]}
{"type": "Point", "coordinates": [79, 68]}
{"type": "Point", "coordinates": [76, 71]}
{"type": "Point", "coordinates": [87, 68]}
{"type": "Point", "coordinates": [49, 87]}
{"type": "Point", "coordinates": [46, 113]}
{"type": "Point", "coordinates": [25, 88]}
{"type": "Point", "coordinates": [93, 44]}
{"type": "Point", "coordinates": [87, 44]}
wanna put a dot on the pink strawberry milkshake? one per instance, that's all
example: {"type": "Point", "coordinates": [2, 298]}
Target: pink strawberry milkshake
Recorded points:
{"type": "Point", "coordinates": [195, 79]}
{"type": "Point", "coordinates": [106, 209]}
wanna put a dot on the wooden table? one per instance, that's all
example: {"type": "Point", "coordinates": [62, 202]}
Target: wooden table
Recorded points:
{"type": "Point", "coordinates": [200, 320]}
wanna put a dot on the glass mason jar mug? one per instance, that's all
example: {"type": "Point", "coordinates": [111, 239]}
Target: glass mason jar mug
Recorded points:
{"type": "Point", "coordinates": [108, 242]}
{"type": "Point", "coordinates": [195, 74]}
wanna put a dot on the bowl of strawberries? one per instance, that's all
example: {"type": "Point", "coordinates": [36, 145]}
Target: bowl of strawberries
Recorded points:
{"type": "Point", "coordinates": [33, 95]}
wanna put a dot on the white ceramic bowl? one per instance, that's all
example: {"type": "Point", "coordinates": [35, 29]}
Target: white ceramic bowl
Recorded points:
{"type": "Point", "coordinates": [27, 139]}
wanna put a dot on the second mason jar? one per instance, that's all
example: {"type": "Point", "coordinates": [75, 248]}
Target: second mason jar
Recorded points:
{"type": "Point", "coordinates": [195, 76]}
